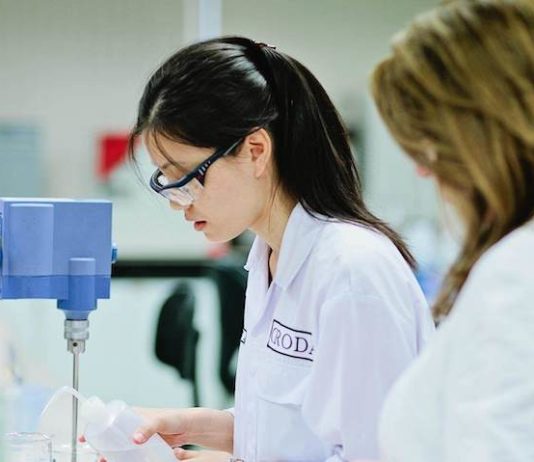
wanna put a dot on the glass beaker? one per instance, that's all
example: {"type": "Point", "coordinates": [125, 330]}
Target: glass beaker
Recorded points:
{"type": "Point", "coordinates": [28, 447]}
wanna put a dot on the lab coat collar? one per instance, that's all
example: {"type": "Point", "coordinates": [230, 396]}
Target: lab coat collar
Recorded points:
{"type": "Point", "coordinates": [300, 235]}
{"type": "Point", "coordinates": [257, 254]}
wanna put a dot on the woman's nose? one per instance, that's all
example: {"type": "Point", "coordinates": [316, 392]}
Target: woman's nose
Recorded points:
{"type": "Point", "coordinates": [178, 207]}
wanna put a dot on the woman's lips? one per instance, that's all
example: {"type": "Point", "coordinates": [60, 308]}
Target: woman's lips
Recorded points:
{"type": "Point", "coordinates": [199, 225]}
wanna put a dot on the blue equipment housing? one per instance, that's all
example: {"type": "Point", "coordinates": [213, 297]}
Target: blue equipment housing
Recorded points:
{"type": "Point", "coordinates": [56, 249]}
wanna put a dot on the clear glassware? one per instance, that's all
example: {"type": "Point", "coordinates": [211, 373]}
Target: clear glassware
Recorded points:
{"type": "Point", "coordinates": [28, 447]}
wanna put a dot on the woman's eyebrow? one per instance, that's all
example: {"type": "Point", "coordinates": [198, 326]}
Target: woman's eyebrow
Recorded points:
{"type": "Point", "coordinates": [166, 165]}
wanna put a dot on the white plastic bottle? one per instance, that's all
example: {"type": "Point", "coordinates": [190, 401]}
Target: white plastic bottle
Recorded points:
{"type": "Point", "coordinates": [109, 429]}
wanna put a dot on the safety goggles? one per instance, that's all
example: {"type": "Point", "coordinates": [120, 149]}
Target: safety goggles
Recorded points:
{"type": "Point", "coordinates": [187, 189]}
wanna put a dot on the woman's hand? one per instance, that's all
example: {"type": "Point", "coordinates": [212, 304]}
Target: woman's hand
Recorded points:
{"type": "Point", "coordinates": [208, 428]}
{"type": "Point", "coordinates": [202, 455]}
{"type": "Point", "coordinates": [172, 424]}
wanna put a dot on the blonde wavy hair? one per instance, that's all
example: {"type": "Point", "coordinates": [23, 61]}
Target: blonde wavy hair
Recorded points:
{"type": "Point", "coordinates": [457, 94]}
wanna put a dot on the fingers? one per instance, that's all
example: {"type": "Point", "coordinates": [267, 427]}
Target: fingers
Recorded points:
{"type": "Point", "coordinates": [168, 423]}
{"type": "Point", "coordinates": [151, 427]}
{"type": "Point", "coordinates": [183, 454]}
{"type": "Point", "coordinates": [202, 455]}
{"type": "Point", "coordinates": [82, 439]}
{"type": "Point", "coordinates": [143, 433]}
{"type": "Point", "coordinates": [155, 422]}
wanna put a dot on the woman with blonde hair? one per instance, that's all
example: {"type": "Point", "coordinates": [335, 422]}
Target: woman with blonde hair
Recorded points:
{"type": "Point", "coordinates": [457, 94]}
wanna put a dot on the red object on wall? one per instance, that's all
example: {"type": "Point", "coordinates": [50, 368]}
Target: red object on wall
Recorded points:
{"type": "Point", "coordinates": [112, 150]}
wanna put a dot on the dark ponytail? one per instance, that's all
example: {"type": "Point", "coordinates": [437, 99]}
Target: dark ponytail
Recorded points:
{"type": "Point", "coordinates": [214, 92]}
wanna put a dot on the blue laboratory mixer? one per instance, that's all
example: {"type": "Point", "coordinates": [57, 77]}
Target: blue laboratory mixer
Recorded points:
{"type": "Point", "coordinates": [58, 249]}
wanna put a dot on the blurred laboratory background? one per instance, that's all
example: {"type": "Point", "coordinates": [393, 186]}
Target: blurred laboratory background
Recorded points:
{"type": "Point", "coordinates": [71, 75]}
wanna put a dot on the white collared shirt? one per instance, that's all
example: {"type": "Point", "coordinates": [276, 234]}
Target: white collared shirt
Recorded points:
{"type": "Point", "coordinates": [324, 342]}
{"type": "Point", "coordinates": [470, 395]}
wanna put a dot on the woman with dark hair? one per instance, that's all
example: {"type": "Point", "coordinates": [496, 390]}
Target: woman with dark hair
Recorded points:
{"type": "Point", "coordinates": [244, 137]}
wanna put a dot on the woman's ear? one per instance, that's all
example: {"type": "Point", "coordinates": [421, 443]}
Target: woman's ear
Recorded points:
{"type": "Point", "coordinates": [431, 154]}
{"type": "Point", "coordinates": [422, 171]}
{"type": "Point", "coordinates": [259, 147]}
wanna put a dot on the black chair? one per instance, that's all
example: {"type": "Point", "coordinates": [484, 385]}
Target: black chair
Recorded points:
{"type": "Point", "coordinates": [176, 335]}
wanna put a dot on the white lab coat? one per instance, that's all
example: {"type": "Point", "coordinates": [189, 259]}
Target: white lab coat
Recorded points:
{"type": "Point", "coordinates": [322, 345]}
{"type": "Point", "coordinates": [470, 395]}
